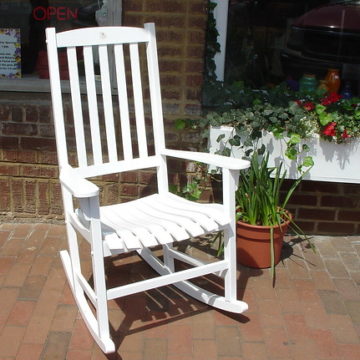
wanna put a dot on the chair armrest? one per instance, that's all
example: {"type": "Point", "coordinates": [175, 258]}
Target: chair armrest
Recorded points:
{"type": "Point", "coordinates": [76, 185]}
{"type": "Point", "coordinates": [211, 159]}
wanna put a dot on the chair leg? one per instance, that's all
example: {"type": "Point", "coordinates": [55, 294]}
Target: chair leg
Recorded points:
{"type": "Point", "coordinates": [168, 259]}
{"type": "Point", "coordinates": [99, 325]}
{"type": "Point", "coordinates": [230, 279]}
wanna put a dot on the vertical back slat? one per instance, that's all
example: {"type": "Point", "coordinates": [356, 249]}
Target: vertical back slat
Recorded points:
{"type": "Point", "coordinates": [77, 107]}
{"type": "Point", "coordinates": [56, 97]}
{"type": "Point", "coordinates": [155, 92]}
{"type": "Point", "coordinates": [138, 99]}
{"type": "Point", "coordinates": [123, 101]}
{"type": "Point", "coordinates": [92, 104]}
{"type": "Point", "coordinates": [107, 102]}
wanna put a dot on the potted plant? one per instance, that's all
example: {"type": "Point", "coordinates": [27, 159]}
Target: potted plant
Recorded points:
{"type": "Point", "coordinates": [262, 217]}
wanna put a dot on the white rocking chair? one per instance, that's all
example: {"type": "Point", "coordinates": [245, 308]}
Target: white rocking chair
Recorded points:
{"type": "Point", "coordinates": [104, 145]}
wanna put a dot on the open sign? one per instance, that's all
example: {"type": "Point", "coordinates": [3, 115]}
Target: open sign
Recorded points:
{"type": "Point", "coordinates": [61, 13]}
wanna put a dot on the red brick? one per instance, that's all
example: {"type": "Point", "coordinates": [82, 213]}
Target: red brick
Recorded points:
{"type": "Point", "coordinates": [28, 156]}
{"type": "Point", "coordinates": [30, 195]}
{"type": "Point", "coordinates": [17, 193]}
{"type": "Point", "coordinates": [43, 206]}
{"type": "Point", "coordinates": [303, 199]}
{"type": "Point", "coordinates": [48, 157]}
{"type": "Point", "coordinates": [316, 214]}
{"type": "Point", "coordinates": [179, 339]}
{"type": "Point", "coordinates": [56, 345]}
{"type": "Point", "coordinates": [7, 300]}
{"type": "Point", "coordinates": [31, 114]}
{"type": "Point", "coordinates": [45, 114]}
{"type": "Point", "coordinates": [19, 129]}
{"type": "Point", "coordinates": [5, 112]}
{"type": "Point", "coordinates": [10, 340]}
{"type": "Point", "coordinates": [129, 190]}
{"type": "Point", "coordinates": [21, 313]}
{"type": "Point", "coordinates": [5, 195]}
{"type": "Point", "coordinates": [9, 169]}
{"type": "Point", "coordinates": [135, 5]}
{"type": "Point", "coordinates": [349, 215]}
{"type": "Point", "coordinates": [29, 352]}
{"type": "Point", "coordinates": [40, 322]}
{"type": "Point", "coordinates": [194, 51]}
{"type": "Point", "coordinates": [7, 142]}
{"type": "Point", "coordinates": [197, 22]}
{"type": "Point", "coordinates": [81, 338]}
{"type": "Point", "coordinates": [174, 37]}
{"type": "Point", "coordinates": [194, 80]}
{"type": "Point", "coordinates": [320, 186]}
{"type": "Point", "coordinates": [170, 80]}
{"type": "Point", "coordinates": [170, 66]}
{"type": "Point", "coordinates": [351, 189]}
{"type": "Point", "coordinates": [32, 143]}
{"type": "Point", "coordinates": [338, 201]}
{"type": "Point", "coordinates": [166, 6]}
{"type": "Point", "coordinates": [17, 113]}
{"type": "Point", "coordinates": [170, 51]}
{"type": "Point", "coordinates": [336, 228]}
{"type": "Point", "coordinates": [168, 20]}
{"type": "Point", "coordinates": [196, 37]}
{"type": "Point", "coordinates": [204, 349]}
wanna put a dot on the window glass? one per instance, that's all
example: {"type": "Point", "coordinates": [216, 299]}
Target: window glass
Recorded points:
{"type": "Point", "coordinates": [271, 41]}
{"type": "Point", "coordinates": [30, 18]}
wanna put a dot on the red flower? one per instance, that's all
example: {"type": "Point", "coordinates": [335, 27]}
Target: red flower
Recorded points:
{"type": "Point", "coordinates": [309, 106]}
{"type": "Point", "coordinates": [345, 135]}
{"type": "Point", "coordinates": [329, 129]}
{"type": "Point", "coordinates": [330, 99]}
{"type": "Point", "coordinates": [299, 102]}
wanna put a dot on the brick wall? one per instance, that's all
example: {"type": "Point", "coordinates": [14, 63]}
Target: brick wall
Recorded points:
{"type": "Point", "coordinates": [327, 208]}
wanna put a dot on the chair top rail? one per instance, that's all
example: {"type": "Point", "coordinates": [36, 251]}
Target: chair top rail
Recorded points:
{"type": "Point", "coordinates": [101, 36]}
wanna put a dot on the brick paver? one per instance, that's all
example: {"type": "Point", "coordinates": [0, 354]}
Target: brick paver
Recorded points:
{"type": "Point", "coordinates": [312, 313]}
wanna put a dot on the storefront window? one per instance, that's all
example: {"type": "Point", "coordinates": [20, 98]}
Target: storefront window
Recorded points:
{"type": "Point", "coordinates": [22, 31]}
{"type": "Point", "coordinates": [272, 41]}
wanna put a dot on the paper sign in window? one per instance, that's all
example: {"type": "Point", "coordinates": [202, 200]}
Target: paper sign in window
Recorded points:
{"type": "Point", "coordinates": [10, 53]}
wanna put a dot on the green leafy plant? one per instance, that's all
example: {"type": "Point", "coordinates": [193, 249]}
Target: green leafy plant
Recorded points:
{"type": "Point", "coordinates": [191, 191]}
{"type": "Point", "coordinates": [290, 123]}
{"type": "Point", "coordinates": [260, 200]}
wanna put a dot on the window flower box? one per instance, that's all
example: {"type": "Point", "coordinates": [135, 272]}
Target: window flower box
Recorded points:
{"type": "Point", "coordinates": [332, 162]}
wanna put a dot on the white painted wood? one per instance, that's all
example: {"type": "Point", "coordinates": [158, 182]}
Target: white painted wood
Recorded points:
{"type": "Point", "coordinates": [123, 101]}
{"type": "Point", "coordinates": [105, 344]}
{"type": "Point", "coordinates": [102, 36]}
{"type": "Point", "coordinates": [92, 105]}
{"type": "Point", "coordinates": [211, 159]}
{"type": "Point", "coordinates": [221, 18]}
{"type": "Point", "coordinates": [107, 103]}
{"type": "Point", "coordinates": [138, 100]}
{"type": "Point", "coordinates": [165, 279]}
{"type": "Point", "coordinates": [55, 86]}
{"type": "Point", "coordinates": [144, 223]}
{"type": "Point", "coordinates": [196, 292]}
{"type": "Point", "coordinates": [77, 106]}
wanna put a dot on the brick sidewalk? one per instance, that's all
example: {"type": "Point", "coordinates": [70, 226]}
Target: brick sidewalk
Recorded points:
{"type": "Point", "coordinates": [313, 313]}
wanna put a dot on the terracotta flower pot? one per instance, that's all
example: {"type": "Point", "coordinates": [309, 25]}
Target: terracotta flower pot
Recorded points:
{"type": "Point", "coordinates": [253, 244]}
